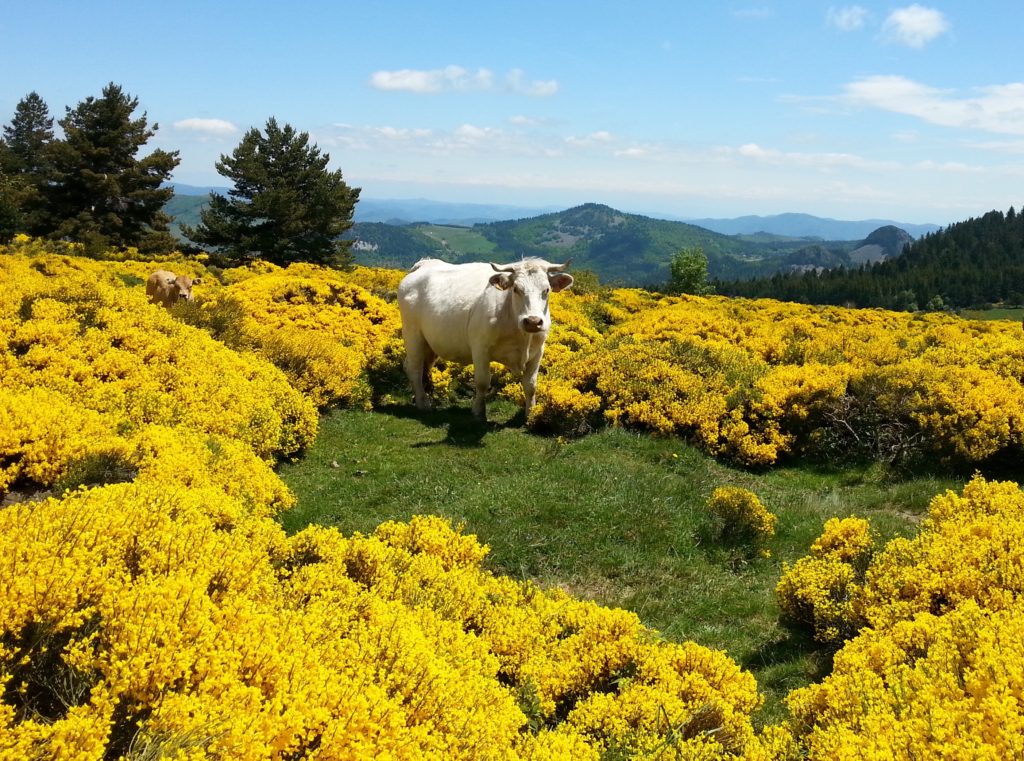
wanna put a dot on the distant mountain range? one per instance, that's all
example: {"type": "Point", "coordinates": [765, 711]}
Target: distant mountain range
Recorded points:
{"type": "Point", "coordinates": [807, 226]}
{"type": "Point", "coordinates": [622, 248]}
{"type": "Point", "coordinates": [409, 211]}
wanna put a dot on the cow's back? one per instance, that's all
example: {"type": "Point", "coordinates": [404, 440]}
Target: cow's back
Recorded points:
{"type": "Point", "coordinates": [157, 289]}
{"type": "Point", "coordinates": [448, 304]}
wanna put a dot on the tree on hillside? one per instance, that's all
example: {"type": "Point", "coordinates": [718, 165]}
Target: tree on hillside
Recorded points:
{"type": "Point", "coordinates": [24, 166]}
{"type": "Point", "coordinates": [28, 136]}
{"type": "Point", "coordinates": [688, 272]}
{"type": "Point", "coordinates": [285, 205]}
{"type": "Point", "coordinates": [99, 192]}
{"type": "Point", "coordinates": [10, 205]}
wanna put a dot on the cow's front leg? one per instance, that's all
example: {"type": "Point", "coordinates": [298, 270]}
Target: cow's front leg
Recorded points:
{"type": "Point", "coordinates": [482, 383]}
{"type": "Point", "coordinates": [529, 378]}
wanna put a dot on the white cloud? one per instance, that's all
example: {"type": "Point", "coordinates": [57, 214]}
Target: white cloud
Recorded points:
{"type": "Point", "coordinates": [458, 79]}
{"type": "Point", "coordinates": [601, 137]}
{"type": "Point", "coordinates": [636, 152]}
{"type": "Point", "coordinates": [473, 134]}
{"type": "Point", "coordinates": [541, 89]}
{"type": "Point", "coordinates": [815, 161]}
{"type": "Point", "coordinates": [849, 18]}
{"type": "Point", "coordinates": [210, 127]}
{"type": "Point", "coordinates": [450, 78]}
{"type": "Point", "coordinates": [1007, 146]}
{"type": "Point", "coordinates": [915, 25]}
{"type": "Point", "coordinates": [996, 108]}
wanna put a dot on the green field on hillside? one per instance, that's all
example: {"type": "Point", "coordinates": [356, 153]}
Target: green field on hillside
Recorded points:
{"type": "Point", "coordinates": [617, 517]}
{"type": "Point", "coordinates": [459, 242]}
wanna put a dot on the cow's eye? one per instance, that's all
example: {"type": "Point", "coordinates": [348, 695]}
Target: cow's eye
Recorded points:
{"type": "Point", "coordinates": [518, 289]}
{"type": "Point", "coordinates": [546, 292]}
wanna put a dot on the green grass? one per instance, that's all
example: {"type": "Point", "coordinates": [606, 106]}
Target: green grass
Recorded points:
{"type": "Point", "coordinates": [996, 313]}
{"type": "Point", "coordinates": [461, 241]}
{"type": "Point", "coordinates": [616, 517]}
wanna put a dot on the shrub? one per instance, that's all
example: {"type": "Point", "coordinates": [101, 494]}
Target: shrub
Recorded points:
{"type": "Point", "coordinates": [823, 592]}
{"type": "Point", "coordinates": [739, 518]}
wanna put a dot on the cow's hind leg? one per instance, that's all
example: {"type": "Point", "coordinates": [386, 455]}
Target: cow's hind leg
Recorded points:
{"type": "Point", "coordinates": [418, 359]}
{"type": "Point", "coordinates": [481, 382]}
{"type": "Point", "coordinates": [428, 364]}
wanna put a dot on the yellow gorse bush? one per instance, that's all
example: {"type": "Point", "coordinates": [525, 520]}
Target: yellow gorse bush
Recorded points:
{"type": "Point", "coordinates": [160, 612]}
{"type": "Point", "coordinates": [134, 615]}
{"type": "Point", "coordinates": [741, 518]}
{"type": "Point", "coordinates": [756, 380]}
{"type": "Point", "coordinates": [824, 591]}
{"type": "Point", "coordinates": [99, 385]}
{"type": "Point", "coordinates": [938, 671]}
{"type": "Point", "coordinates": [319, 326]}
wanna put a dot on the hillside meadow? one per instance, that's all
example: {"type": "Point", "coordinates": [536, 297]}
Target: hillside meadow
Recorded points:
{"type": "Point", "coordinates": [729, 529]}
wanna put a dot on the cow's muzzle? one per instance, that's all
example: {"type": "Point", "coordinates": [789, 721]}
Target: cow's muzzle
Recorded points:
{"type": "Point", "coordinates": [533, 324]}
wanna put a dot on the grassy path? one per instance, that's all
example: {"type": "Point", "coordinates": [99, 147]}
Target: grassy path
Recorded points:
{"type": "Point", "coordinates": [616, 517]}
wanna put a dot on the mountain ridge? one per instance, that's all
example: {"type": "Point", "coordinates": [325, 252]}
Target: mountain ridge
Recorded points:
{"type": "Point", "coordinates": [413, 210]}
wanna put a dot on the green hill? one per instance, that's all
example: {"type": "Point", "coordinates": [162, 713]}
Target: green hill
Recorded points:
{"type": "Point", "coordinates": [620, 248]}
{"type": "Point", "coordinates": [969, 264]}
{"type": "Point", "coordinates": [184, 210]}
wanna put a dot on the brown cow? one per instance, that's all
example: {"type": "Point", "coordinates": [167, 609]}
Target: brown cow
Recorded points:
{"type": "Point", "coordinates": [166, 288]}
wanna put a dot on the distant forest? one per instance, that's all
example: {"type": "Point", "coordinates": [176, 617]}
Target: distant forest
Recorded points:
{"type": "Point", "coordinates": [970, 264]}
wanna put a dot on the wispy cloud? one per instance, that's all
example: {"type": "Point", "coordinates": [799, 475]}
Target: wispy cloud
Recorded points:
{"type": "Point", "coordinates": [601, 137]}
{"type": "Point", "coordinates": [755, 12]}
{"type": "Point", "coordinates": [208, 127]}
{"type": "Point", "coordinates": [515, 81]}
{"type": "Point", "coordinates": [915, 25]}
{"type": "Point", "coordinates": [996, 108]}
{"type": "Point", "coordinates": [459, 79]}
{"type": "Point", "coordinates": [849, 18]}
{"type": "Point", "coordinates": [821, 161]}
{"type": "Point", "coordinates": [448, 79]}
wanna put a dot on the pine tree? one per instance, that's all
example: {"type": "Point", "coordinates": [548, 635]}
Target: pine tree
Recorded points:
{"type": "Point", "coordinates": [28, 135]}
{"type": "Point", "coordinates": [24, 166]}
{"type": "Point", "coordinates": [285, 205]}
{"type": "Point", "coordinates": [99, 192]}
{"type": "Point", "coordinates": [11, 217]}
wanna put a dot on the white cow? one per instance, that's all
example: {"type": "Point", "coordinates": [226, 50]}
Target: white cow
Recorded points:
{"type": "Point", "coordinates": [477, 314]}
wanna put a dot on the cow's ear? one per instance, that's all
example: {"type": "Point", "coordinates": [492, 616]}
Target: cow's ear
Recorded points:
{"type": "Point", "coordinates": [501, 280]}
{"type": "Point", "coordinates": [197, 281]}
{"type": "Point", "coordinates": [560, 281]}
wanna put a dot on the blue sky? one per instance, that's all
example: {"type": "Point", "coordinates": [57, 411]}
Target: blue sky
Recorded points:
{"type": "Point", "coordinates": [912, 112]}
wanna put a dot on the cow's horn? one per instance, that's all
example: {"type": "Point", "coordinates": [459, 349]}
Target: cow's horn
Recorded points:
{"type": "Point", "coordinates": [560, 267]}
{"type": "Point", "coordinates": [504, 268]}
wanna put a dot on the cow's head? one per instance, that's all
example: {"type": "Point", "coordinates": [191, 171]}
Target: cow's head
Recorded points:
{"type": "Point", "coordinates": [180, 286]}
{"type": "Point", "coordinates": [529, 283]}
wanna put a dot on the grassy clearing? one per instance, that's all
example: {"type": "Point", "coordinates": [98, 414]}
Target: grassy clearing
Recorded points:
{"type": "Point", "coordinates": [461, 241]}
{"type": "Point", "coordinates": [615, 517]}
{"type": "Point", "coordinates": [1016, 314]}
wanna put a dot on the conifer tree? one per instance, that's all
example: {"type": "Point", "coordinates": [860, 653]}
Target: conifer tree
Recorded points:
{"type": "Point", "coordinates": [285, 205]}
{"type": "Point", "coordinates": [11, 218]}
{"type": "Point", "coordinates": [24, 166]}
{"type": "Point", "coordinates": [99, 192]}
{"type": "Point", "coordinates": [28, 136]}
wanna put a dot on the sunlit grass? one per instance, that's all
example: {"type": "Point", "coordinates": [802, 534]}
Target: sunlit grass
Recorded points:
{"type": "Point", "coordinates": [617, 517]}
